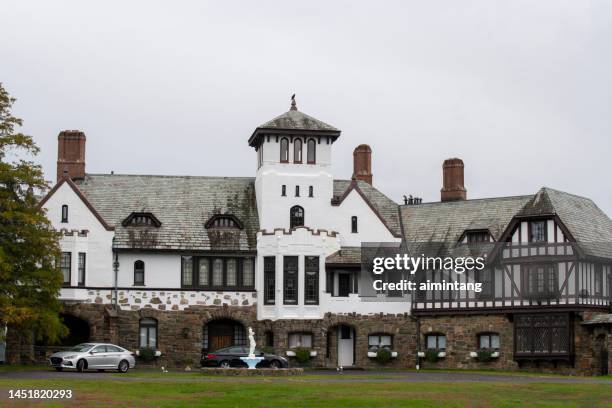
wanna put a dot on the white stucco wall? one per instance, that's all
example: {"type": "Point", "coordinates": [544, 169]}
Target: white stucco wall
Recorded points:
{"type": "Point", "coordinates": [97, 244]}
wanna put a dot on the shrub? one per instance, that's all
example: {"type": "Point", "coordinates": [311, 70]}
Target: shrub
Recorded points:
{"type": "Point", "coordinates": [431, 355]}
{"type": "Point", "coordinates": [146, 354]}
{"type": "Point", "coordinates": [302, 355]}
{"type": "Point", "coordinates": [383, 356]}
{"type": "Point", "coordinates": [484, 355]}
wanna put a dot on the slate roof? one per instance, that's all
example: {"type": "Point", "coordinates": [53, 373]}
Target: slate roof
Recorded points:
{"type": "Point", "coordinates": [384, 206]}
{"type": "Point", "coordinates": [294, 121]}
{"type": "Point", "coordinates": [439, 226]}
{"type": "Point", "coordinates": [345, 256]}
{"type": "Point", "coordinates": [182, 204]}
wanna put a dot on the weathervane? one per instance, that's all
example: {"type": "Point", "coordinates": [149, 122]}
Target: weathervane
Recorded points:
{"type": "Point", "coordinates": [293, 105]}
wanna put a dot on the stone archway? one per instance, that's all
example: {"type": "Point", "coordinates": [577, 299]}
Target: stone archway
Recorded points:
{"type": "Point", "coordinates": [79, 331]}
{"type": "Point", "coordinates": [220, 333]}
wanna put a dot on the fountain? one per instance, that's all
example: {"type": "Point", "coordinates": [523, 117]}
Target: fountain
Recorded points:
{"type": "Point", "coordinates": [251, 360]}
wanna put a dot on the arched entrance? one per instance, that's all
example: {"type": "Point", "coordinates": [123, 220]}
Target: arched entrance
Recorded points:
{"type": "Point", "coordinates": [78, 331]}
{"type": "Point", "coordinates": [341, 345]}
{"type": "Point", "coordinates": [223, 333]}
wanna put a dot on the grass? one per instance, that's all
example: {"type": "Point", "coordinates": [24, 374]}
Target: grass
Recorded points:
{"type": "Point", "coordinates": [188, 389]}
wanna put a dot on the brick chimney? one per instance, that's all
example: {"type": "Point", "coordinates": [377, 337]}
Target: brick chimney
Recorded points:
{"type": "Point", "coordinates": [71, 155]}
{"type": "Point", "coordinates": [362, 163]}
{"type": "Point", "coordinates": [453, 188]}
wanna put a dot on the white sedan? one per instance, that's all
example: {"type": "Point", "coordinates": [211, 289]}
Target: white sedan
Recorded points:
{"type": "Point", "coordinates": [95, 356]}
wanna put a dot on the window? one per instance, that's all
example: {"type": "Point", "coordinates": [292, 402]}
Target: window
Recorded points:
{"type": "Point", "coordinates": [284, 190]}
{"type": "Point", "coordinates": [311, 280]}
{"type": "Point", "coordinates": [139, 271]}
{"type": "Point", "coordinates": [312, 151]}
{"type": "Point", "coordinates": [488, 341]}
{"type": "Point", "coordinates": [64, 213]}
{"type": "Point", "coordinates": [310, 191]}
{"type": "Point", "coordinates": [540, 281]}
{"type": "Point", "coordinates": [436, 342]}
{"type": "Point", "coordinates": [223, 221]}
{"type": "Point", "coordinates": [297, 191]}
{"type": "Point", "coordinates": [187, 270]}
{"type": "Point", "coordinates": [66, 266]}
{"type": "Point", "coordinates": [542, 334]}
{"type": "Point", "coordinates": [81, 269]}
{"type": "Point", "coordinates": [284, 150]}
{"type": "Point", "coordinates": [296, 216]}
{"type": "Point", "coordinates": [148, 333]}
{"type": "Point", "coordinates": [485, 276]}
{"type": "Point", "coordinates": [203, 272]}
{"type": "Point", "coordinates": [380, 341]}
{"type": "Point", "coordinates": [290, 280]}
{"type": "Point", "coordinates": [260, 155]}
{"type": "Point", "coordinates": [248, 273]}
{"type": "Point", "coordinates": [300, 340]}
{"type": "Point", "coordinates": [598, 280]}
{"type": "Point", "coordinates": [297, 151]}
{"type": "Point", "coordinates": [354, 224]}
{"type": "Point", "coordinates": [217, 273]}
{"type": "Point", "coordinates": [231, 273]}
{"type": "Point", "coordinates": [141, 219]}
{"type": "Point", "coordinates": [269, 338]}
{"type": "Point", "coordinates": [537, 231]}
{"type": "Point", "coordinates": [269, 280]}
{"type": "Point", "coordinates": [477, 236]}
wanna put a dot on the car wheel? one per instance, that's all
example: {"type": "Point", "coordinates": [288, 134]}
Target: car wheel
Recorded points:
{"type": "Point", "coordinates": [59, 368]}
{"type": "Point", "coordinates": [224, 364]}
{"type": "Point", "coordinates": [275, 364]}
{"type": "Point", "coordinates": [124, 366]}
{"type": "Point", "coordinates": [81, 365]}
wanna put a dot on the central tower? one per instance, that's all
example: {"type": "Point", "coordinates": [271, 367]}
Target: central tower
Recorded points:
{"type": "Point", "coordinates": [294, 184]}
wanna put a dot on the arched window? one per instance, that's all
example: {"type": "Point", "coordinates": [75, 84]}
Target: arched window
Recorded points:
{"type": "Point", "coordinates": [139, 270]}
{"type": "Point", "coordinates": [312, 151]}
{"type": "Point", "coordinates": [64, 213]}
{"type": "Point", "coordinates": [354, 224]}
{"type": "Point", "coordinates": [284, 150]}
{"type": "Point", "coordinates": [297, 151]}
{"type": "Point", "coordinates": [296, 216]}
{"type": "Point", "coordinates": [148, 333]}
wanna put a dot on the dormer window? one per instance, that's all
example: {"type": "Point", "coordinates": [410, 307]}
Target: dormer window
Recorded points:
{"type": "Point", "coordinates": [477, 236]}
{"type": "Point", "coordinates": [224, 221]}
{"type": "Point", "coordinates": [141, 219]}
{"type": "Point", "coordinates": [297, 151]}
{"type": "Point", "coordinates": [537, 231]}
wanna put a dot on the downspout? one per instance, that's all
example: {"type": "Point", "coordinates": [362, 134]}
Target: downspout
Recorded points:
{"type": "Point", "coordinates": [418, 333]}
{"type": "Point", "coordinates": [116, 275]}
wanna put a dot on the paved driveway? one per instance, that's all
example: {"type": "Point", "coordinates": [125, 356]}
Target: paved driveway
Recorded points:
{"type": "Point", "coordinates": [321, 376]}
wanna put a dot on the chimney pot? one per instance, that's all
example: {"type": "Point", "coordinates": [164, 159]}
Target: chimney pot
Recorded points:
{"type": "Point", "coordinates": [71, 155]}
{"type": "Point", "coordinates": [362, 163]}
{"type": "Point", "coordinates": [453, 188]}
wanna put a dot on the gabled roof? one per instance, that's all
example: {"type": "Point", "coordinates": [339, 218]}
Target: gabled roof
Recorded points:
{"type": "Point", "coordinates": [294, 121]}
{"type": "Point", "coordinates": [182, 204]}
{"type": "Point", "coordinates": [385, 208]}
{"type": "Point", "coordinates": [443, 223]}
{"type": "Point", "coordinates": [83, 198]}
{"type": "Point", "coordinates": [586, 222]}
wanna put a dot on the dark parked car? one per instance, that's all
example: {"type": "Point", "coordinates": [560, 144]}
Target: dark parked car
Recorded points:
{"type": "Point", "coordinates": [230, 357]}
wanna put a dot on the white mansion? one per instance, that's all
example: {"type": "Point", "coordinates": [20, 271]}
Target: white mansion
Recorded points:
{"type": "Point", "coordinates": [184, 264]}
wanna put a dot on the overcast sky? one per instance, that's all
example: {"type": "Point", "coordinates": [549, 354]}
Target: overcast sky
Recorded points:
{"type": "Point", "coordinates": [520, 90]}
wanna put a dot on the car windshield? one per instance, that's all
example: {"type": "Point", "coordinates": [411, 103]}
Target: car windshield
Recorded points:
{"type": "Point", "coordinates": [81, 347]}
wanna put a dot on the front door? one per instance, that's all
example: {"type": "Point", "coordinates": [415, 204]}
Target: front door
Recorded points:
{"type": "Point", "coordinates": [346, 342]}
{"type": "Point", "coordinates": [344, 284]}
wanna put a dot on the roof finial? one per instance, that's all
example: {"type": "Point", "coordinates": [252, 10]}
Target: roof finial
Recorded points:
{"type": "Point", "coordinates": [293, 105]}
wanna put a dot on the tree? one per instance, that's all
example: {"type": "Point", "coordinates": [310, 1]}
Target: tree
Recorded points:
{"type": "Point", "coordinates": [29, 276]}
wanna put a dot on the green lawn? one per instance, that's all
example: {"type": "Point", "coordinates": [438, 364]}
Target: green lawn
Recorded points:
{"type": "Point", "coordinates": [183, 390]}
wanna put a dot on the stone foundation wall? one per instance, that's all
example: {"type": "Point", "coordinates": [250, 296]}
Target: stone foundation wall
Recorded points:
{"type": "Point", "coordinates": [462, 331]}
